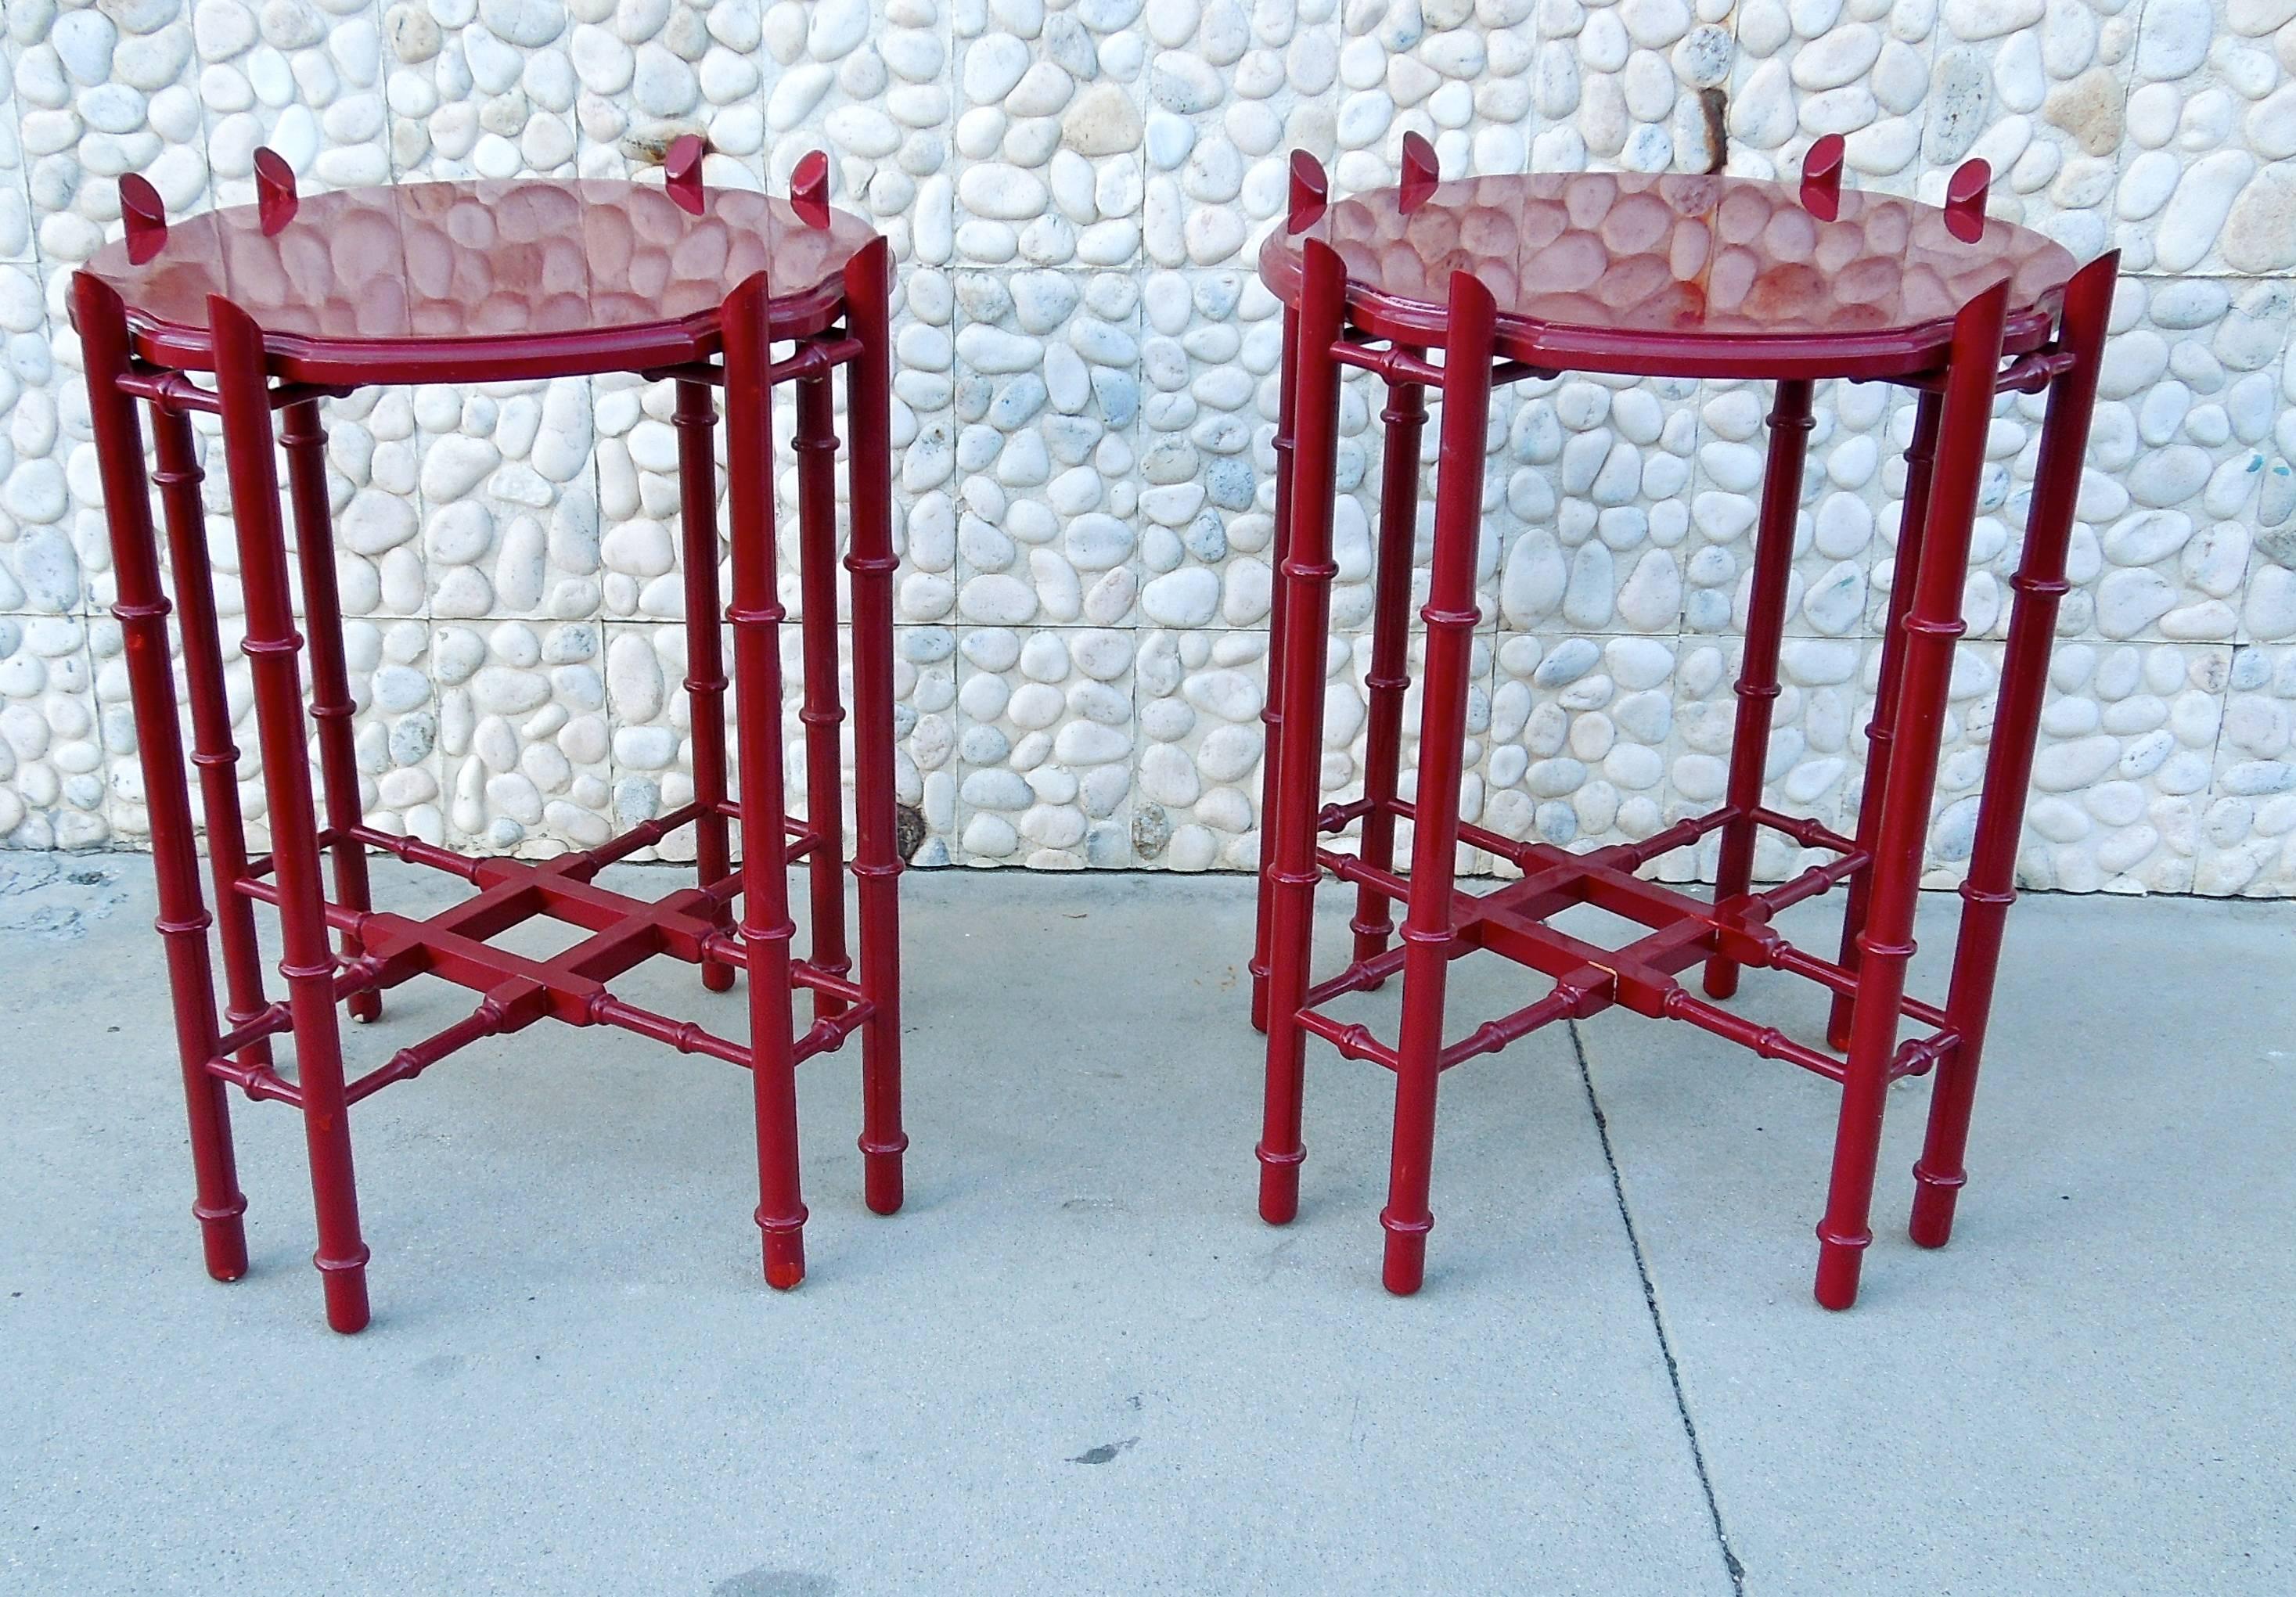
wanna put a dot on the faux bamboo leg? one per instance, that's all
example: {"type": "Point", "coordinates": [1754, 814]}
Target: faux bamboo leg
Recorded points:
{"type": "Point", "coordinates": [696, 420]}
{"type": "Point", "coordinates": [214, 755]}
{"type": "Point", "coordinates": [1921, 457]}
{"type": "Point", "coordinates": [757, 617]}
{"type": "Point", "coordinates": [1305, 575]}
{"type": "Point", "coordinates": [1271, 714]}
{"type": "Point", "coordinates": [1390, 676]}
{"type": "Point", "coordinates": [1450, 615]}
{"type": "Point", "coordinates": [870, 562]}
{"type": "Point", "coordinates": [1757, 671]}
{"type": "Point", "coordinates": [306, 444]}
{"type": "Point", "coordinates": [242, 385]}
{"type": "Point", "coordinates": [143, 610]}
{"type": "Point", "coordinates": [1887, 943]}
{"type": "Point", "coordinates": [1991, 885]}
{"type": "Point", "coordinates": [824, 712]}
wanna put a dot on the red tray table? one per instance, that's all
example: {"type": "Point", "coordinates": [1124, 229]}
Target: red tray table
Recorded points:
{"type": "Point", "coordinates": [1511, 278]}
{"type": "Point", "coordinates": [276, 306]}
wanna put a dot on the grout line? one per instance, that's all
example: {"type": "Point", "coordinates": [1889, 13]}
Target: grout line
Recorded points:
{"type": "Point", "coordinates": [1738, 1571]}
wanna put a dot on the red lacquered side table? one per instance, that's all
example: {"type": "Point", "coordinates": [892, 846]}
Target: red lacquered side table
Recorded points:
{"type": "Point", "coordinates": [1512, 278]}
{"type": "Point", "coordinates": [278, 305]}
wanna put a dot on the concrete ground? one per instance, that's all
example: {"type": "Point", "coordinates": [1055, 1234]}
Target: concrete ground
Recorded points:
{"type": "Point", "coordinates": [1078, 1363]}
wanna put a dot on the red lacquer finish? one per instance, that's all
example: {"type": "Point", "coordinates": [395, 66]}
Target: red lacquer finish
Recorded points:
{"type": "Point", "coordinates": [1757, 671]}
{"type": "Point", "coordinates": [1306, 571]}
{"type": "Point", "coordinates": [275, 307]}
{"type": "Point", "coordinates": [1964, 200]}
{"type": "Point", "coordinates": [1450, 615]}
{"type": "Point", "coordinates": [275, 191]}
{"type": "Point", "coordinates": [809, 189]}
{"type": "Point", "coordinates": [1389, 679]}
{"type": "Point", "coordinates": [1921, 454]}
{"type": "Point", "coordinates": [681, 173]}
{"type": "Point", "coordinates": [1688, 276]}
{"type": "Point", "coordinates": [143, 222]}
{"type": "Point", "coordinates": [696, 420]}
{"type": "Point", "coordinates": [1420, 172]}
{"type": "Point", "coordinates": [755, 614]}
{"type": "Point", "coordinates": [1524, 277]}
{"type": "Point", "coordinates": [142, 610]}
{"type": "Point", "coordinates": [1932, 627]}
{"type": "Point", "coordinates": [823, 711]}
{"type": "Point", "coordinates": [870, 563]}
{"type": "Point", "coordinates": [1821, 177]}
{"type": "Point", "coordinates": [1271, 714]}
{"type": "Point", "coordinates": [2039, 585]}
{"type": "Point", "coordinates": [214, 753]}
{"type": "Point", "coordinates": [1311, 193]}
{"type": "Point", "coordinates": [274, 650]}
{"type": "Point", "coordinates": [480, 281]}
{"type": "Point", "coordinates": [305, 446]}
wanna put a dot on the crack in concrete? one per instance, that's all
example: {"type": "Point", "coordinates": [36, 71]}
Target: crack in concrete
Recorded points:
{"type": "Point", "coordinates": [1738, 1571]}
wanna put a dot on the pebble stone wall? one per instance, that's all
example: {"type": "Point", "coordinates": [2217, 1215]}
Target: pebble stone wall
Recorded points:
{"type": "Point", "coordinates": [1086, 392]}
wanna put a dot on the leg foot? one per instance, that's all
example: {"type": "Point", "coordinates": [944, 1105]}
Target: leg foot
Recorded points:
{"type": "Point", "coordinates": [881, 1176]}
{"type": "Point", "coordinates": [223, 1235]}
{"type": "Point", "coordinates": [366, 1008]}
{"type": "Point", "coordinates": [784, 1254]}
{"type": "Point", "coordinates": [1839, 1261]}
{"type": "Point", "coordinates": [1405, 1267]}
{"type": "Point", "coordinates": [345, 1283]}
{"type": "Point", "coordinates": [1934, 1198]}
{"type": "Point", "coordinates": [717, 978]}
{"type": "Point", "coordinates": [1279, 1185]}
